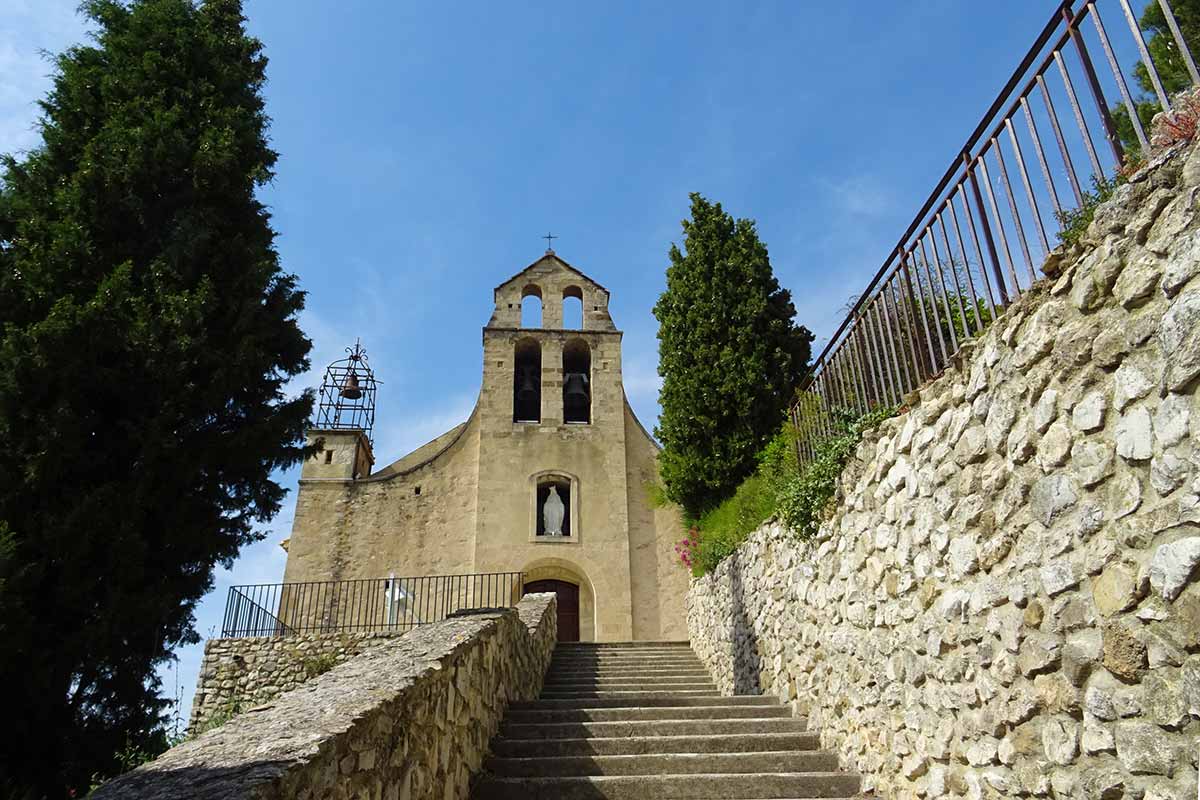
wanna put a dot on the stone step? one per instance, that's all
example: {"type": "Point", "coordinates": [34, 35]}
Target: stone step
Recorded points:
{"type": "Point", "coordinates": [646, 700]}
{"type": "Point", "coordinates": [632, 713]}
{"type": "Point", "coordinates": [671, 787]}
{"type": "Point", "coordinates": [623, 682]}
{"type": "Point", "coordinates": [623, 672]}
{"type": "Point", "coordinates": [566, 647]}
{"type": "Point", "coordinates": [637, 667]}
{"type": "Point", "coordinates": [663, 764]}
{"type": "Point", "coordinates": [615, 729]}
{"type": "Point", "coordinates": [688, 690]}
{"type": "Point", "coordinates": [628, 745]}
{"type": "Point", "coordinates": [621, 661]}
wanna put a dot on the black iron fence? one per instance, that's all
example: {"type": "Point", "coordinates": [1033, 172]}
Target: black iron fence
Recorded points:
{"type": "Point", "coordinates": [975, 244]}
{"type": "Point", "coordinates": [373, 604]}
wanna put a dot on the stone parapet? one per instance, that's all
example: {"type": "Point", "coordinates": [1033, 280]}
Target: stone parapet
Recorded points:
{"type": "Point", "coordinates": [1005, 602]}
{"type": "Point", "coordinates": [238, 673]}
{"type": "Point", "coordinates": [408, 718]}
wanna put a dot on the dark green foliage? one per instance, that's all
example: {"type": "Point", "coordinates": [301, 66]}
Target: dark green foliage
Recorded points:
{"type": "Point", "coordinates": [1168, 62]}
{"type": "Point", "coordinates": [1075, 222]}
{"type": "Point", "coordinates": [146, 335]}
{"type": "Point", "coordinates": [804, 500]}
{"type": "Point", "coordinates": [729, 354]}
{"type": "Point", "coordinates": [756, 499]}
{"type": "Point", "coordinates": [800, 497]}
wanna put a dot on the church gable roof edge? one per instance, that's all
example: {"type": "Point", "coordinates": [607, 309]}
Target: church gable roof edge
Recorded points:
{"type": "Point", "coordinates": [560, 260]}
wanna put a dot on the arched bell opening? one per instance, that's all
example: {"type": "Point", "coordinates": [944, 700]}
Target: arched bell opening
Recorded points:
{"type": "Point", "coordinates": [531, 307]}
{"type": "Point", "coordinates": [527, 381]}
{"type": "Point", "coordinates": [577, 382]}
{"type": "Point", "coordinates": [572, 308]}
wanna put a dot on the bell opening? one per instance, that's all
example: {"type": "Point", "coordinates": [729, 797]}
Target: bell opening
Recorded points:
{"type": "Point", "coordinates": [577, 385]}
{"type": "Point", "coordinates": [527, 382]}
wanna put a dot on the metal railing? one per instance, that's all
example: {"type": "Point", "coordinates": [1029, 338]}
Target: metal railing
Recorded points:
{"type": "Point", "coordinates": [373, 604]}
{"type": "Point", "coordinates": [974, 245]}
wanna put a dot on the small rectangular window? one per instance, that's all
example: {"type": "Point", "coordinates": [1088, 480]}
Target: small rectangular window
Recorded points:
{"type": "Point", "coordinates": [328, 456]}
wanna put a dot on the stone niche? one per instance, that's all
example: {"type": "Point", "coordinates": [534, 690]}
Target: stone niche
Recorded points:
{"type": "Point", "coordinates": [1005, 602]}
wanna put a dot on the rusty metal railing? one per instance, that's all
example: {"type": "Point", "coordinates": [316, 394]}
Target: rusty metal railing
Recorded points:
{"type": "Point", "coordinates": [975, 243]}
{"type": "Point", "coordinates": [366, 605]}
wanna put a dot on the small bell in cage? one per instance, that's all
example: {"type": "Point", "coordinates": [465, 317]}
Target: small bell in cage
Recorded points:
{"type": "Point", "coordinates": [350, 389]}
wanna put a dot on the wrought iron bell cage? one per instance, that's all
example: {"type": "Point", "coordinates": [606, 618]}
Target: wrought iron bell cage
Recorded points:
{"type": "Point", "coordinates": [348, 391]}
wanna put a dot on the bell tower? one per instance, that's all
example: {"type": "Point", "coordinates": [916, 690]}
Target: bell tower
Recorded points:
{"type": "Point", "coordinates": [552, 473]}
{"type": "Point", "coordinates": [345, 420]}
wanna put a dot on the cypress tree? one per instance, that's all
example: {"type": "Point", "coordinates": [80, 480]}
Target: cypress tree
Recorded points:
{"type": "Point", "coordinates": [730, 356]}
{"type": "Point", "coordinates": [147, 333]}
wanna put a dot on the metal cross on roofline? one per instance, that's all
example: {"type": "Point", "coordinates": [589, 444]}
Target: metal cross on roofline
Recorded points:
{"type": "Point", "coordinates": [549, 237]}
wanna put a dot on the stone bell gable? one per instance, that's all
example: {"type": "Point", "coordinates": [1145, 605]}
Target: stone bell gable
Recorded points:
{"type": "Point", "coordinates": [552, 280]}
{"type": "Point", "coordinates": [552, 419]}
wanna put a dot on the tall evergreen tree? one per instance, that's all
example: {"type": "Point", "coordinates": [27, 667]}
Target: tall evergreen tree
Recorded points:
{"type": "Point", "coordinates": [146, 336]}
{"type": "Point", "coordinates": [730, 355]}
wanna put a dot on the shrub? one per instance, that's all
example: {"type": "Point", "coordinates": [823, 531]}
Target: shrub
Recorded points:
{"type": "Point", "coordinates": [319, 665]}
{"type": "Point", "coordinates": [805, 500]}
{"type": "Point", "coordinates": [1075, 222]}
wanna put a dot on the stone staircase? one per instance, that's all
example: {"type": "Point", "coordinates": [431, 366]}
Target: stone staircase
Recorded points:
{"type": "Point", "coordinates": [643, 721]}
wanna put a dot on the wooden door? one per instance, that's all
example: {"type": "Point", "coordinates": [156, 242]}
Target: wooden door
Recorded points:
{"type": "Point", "coordinates": [568, 606]}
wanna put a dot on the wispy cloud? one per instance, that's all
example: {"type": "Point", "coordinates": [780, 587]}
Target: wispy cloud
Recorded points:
{"type": "Point", "coordinates": [860, 195]}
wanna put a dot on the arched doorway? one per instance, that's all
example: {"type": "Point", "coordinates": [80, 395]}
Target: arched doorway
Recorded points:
{"type": "Point", "coordinates": [568, 605]}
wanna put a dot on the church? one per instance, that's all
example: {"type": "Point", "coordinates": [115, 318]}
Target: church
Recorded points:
{"type": "Point", "coordinates": [552, 476]}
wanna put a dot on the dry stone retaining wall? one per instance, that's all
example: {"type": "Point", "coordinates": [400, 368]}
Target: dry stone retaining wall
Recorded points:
{"type": "Point", "coordinates": [410, 718]}
{"type": "Point", "coordinates": [1005, 602]}
{"type": "Point", "coordinates": [239, 673]}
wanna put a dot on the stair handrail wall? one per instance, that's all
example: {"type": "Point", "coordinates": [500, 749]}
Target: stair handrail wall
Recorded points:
{"type": "Point", "coordinates": [972, 247]}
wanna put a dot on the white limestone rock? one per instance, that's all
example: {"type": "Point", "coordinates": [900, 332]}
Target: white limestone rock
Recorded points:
{"type": "Point", "coordinates": [1172, 566]}
{"type": "Point", "coordinates": [1129, 384]}
{"type": "Point", "coordinates": [1171, 419]}
{"type": "Point", "coordinates": [1088, 414]}
{"type": "Point", "coordinates": [1135, 435]}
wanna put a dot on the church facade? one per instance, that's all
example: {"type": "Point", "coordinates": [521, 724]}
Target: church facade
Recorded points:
{"type": "Point", "coordinates": [552, 476]}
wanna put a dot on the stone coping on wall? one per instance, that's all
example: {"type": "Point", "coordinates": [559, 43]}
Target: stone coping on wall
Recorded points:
{"type": "Point", "coordinates": [1006, 599]}
{"type": "Point", "coordinates": [239, 672]}
{"type": "Point", "coordinates": [408, 718]}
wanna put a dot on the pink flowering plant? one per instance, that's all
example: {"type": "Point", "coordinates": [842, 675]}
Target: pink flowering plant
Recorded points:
{"type": "Point", "coordinates": [686, 548]}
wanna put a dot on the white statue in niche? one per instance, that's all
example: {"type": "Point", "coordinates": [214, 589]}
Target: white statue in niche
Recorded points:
{"type": "Point", "coordinates": [552, 513]}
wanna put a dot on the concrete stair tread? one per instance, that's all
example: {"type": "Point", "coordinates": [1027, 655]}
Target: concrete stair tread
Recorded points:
{"type": "Point", "coordinates": [673, 743]}
{"type": "Point", "coordinates": [642, 728]}
{"type": "Point", "coordinates": [663, 763]}
{"type": "Point", "coordinates": [591, 700]}
{"type": "Point", "coordinates": [696, 786]}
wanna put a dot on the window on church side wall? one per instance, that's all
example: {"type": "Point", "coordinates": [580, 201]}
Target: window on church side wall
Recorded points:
{"type": "Point", "coordinates": [577, 382]}
{"type": "Point", "coordinates": [553, 507]}
{"type": "Point", "coordinates": [527, 381]}
{"type": "Point", "coordinates": [572, 308]}
{"type": "Point", "coordinates": [531, 307]}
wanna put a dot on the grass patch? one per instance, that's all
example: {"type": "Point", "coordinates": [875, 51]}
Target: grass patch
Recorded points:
{"type": "Point", "coordinates": [319, 665]}
{"type": "Point", "coordinates": [800, 499]}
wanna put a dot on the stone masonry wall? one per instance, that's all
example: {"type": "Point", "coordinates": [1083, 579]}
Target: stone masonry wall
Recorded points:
{"type": "Point", "coordinates": [409, 719]}
{"type": "Point", "coordinates": [239, 673]}
{"type": "Point", "coordinates": [1005, 602]}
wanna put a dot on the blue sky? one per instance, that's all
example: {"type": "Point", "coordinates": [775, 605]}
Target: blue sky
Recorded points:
{"type": "Point", "coordinates": [425, 148]}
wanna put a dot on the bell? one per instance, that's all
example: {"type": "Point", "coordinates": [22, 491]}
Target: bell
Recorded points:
{"type": "Point", "coordinates": [575, 397]}
{"type": "Point", "coordinates": [350, 389]}
{"type": "Point", "coordinates": [528, 387]}
{"type": "Point", "coordinates": [575, 388]}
